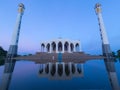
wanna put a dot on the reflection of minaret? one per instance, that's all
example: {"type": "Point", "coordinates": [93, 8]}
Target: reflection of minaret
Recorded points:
{"type": "Point", "coordinates": [109, 61]}
{"type": "Point", "coordinates": [12, 52]}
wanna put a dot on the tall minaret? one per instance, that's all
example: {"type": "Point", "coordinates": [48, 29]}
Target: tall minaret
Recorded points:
{"type": "Point", "coordinates": [14, 42]}
{"type": "Point", "coordinates": [109, 60]}
{"type": "Point", "coordinates": [12, 52]}
{"type": "Point", "coordinates": [105, 43]}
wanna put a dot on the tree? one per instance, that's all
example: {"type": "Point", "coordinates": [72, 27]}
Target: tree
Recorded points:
{"type": "Point", "coordinates": [2, 52]}
{"type": "Point", "coordinates": [118, 53]}
{"type": "Point", "coordinates": [113, 53]}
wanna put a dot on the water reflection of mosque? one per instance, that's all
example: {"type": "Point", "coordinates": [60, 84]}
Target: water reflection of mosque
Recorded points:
{"type": "Point", "coordinates": [61, 71]}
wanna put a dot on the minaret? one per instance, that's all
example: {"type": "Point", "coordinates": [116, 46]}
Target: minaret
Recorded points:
{"type": "Point", "coordinates": [14, 42]}
{"type": "Point", "coordinates": [109, 60]}
{"type": "Point", "coordinates": [12, 52]}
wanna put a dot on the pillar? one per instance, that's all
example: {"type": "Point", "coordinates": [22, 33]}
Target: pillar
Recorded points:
{"type": "Point", "coordinates": [109, 61]}
{"type": "Point", "coordinates": [50, 48]}
{"type": "Point", "coordinates": [63, 48]}
{"type": "Point", "coordinates": [80, 47]}
{"type": "Point", "coordinates": [56, 47]}
{"type": "Point", "coordinates": [41, 48]}
{"type": "Point", "coordinates": [74, 47]}
{"type": "Point", "coordinates": [45, 49]}
{"type": "Point", "coordinates": [69, 47]}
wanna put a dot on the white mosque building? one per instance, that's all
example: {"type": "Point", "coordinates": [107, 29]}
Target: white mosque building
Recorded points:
{"type": "Point", "coordinates": [61, 46]}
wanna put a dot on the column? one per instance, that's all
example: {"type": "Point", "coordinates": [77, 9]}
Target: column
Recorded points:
{"type": "Point", "coordinates": [70, 66]}
{"type": "Point", "coordinates": [69, 48]}
{"type": "Point", "coordinates": [74, 48]}
{"type": "Point", "coordinates": [80, 47]}
{"type": "Point", "coordinates": [45, 50]}
{"type": "Point", "coordinates": [63, 69]}
{"type": "Point", "coordinates": [40, 48]}
{"type": "Point", "coordinates": [63, 49]}
{"type": "Point", "coordinates": [50, 48]}
{"type": "Point", "coordinates": [56, 47]}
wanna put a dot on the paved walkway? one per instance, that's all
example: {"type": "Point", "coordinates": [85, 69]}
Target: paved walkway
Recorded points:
{"type": "Point", "coordinates": [42, 57]}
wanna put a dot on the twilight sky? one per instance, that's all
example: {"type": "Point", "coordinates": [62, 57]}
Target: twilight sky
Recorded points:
{"type": "Point", "coordinates": [69, 19]}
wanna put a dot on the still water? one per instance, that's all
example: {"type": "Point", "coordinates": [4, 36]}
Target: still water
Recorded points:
{"type": "Point", "coordinates": [26, 76]}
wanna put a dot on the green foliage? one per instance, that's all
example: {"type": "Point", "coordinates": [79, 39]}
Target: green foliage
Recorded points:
{"type": "Point", "coordinates": [29, 54]}
{"type": "Point", "coordinates": [2, 60]}
{"type": "Point", "coordinates": [118, 53]}
{"type": "Point", "coordinates": [114, 55]}
{"type": "Point", "coordinates": [3, 54]}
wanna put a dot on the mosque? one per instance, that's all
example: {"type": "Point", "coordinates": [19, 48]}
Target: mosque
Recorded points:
{"type": "Point", "coordinates": [58, 57]}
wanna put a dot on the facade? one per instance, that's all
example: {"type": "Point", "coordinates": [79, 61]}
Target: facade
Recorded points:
{"type": "Point", "coordinates": [61, 46]}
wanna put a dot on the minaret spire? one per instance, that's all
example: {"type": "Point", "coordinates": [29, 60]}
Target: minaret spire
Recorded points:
{"type": "Point", "coordinates": [109, 60]}
{"type": "Point", "coordinates": [101, 24]}
{"type": "Point", "coordinates": [14, 42]}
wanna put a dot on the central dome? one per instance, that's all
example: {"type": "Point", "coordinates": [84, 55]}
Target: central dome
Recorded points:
{"type": "Point", "coordinates": [60, 46]}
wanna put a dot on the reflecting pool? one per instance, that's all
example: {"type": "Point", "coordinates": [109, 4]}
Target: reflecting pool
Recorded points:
{"type": "Point", "coordinates": [60, 76]}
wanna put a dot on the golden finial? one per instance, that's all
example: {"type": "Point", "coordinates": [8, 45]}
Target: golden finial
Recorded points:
{"type": "Point", "coordinates": [98, 8]}
{"type": "Point", "coordinates": [21, 8]}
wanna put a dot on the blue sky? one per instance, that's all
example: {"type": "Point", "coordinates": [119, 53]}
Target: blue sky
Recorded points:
{"type": "Point", "coordinates": [69, 19]}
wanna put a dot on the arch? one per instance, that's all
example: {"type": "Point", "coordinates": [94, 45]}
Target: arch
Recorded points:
{"type": "Point", "coordinates": [60, 48]}
{"type": "Point", "coordinates": [67, 70]}
{"type": "Point", "coordinates": [71, 47]}
{"type": "Point", "coordinates": [47, 68]}
{"type": "Point", "coordinates": [60, 69]}
{"type": "Point", "coordinates": [41, 69]}
{"type": "Point", "coordinates": [43, 44]}
{"type": "Point", "coordinates": [53, 47]}
{"type": "Point", "coordinates": [66, 46]}
{"type": "Point", "coordinates": [53, 69]}
{"type": "Point", "coordinates": [73, 68]}
{"type": "Point", "coordinates": [42, 47]}
{"type": "Point", "coordinates": [48, 47]}
{"type": "Point", "coordinates": [77, 47]}
{"type": "Point", "coordinates": [79, 69]}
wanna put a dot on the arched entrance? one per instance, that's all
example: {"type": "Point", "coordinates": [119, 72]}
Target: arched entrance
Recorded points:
{"type": "Point", "coordinates": [66, 46]}
{"type": "Point", "coordinates": [53, 47]}
{"type": "Point", "coordinates": [60, 48]}
{"type": "Point", "coordinates": [48, 47]}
